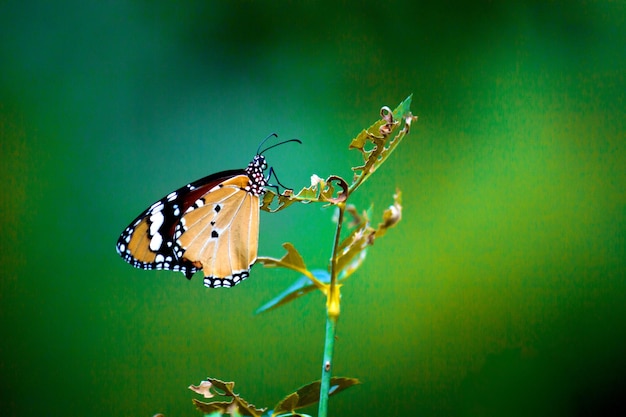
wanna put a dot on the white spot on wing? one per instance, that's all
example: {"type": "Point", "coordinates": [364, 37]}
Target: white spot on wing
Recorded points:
{"type": "Point", "coordinates": [155, 242]}
{"type": "Point", "coordinates": [156, 220]}
{"type": "Point", "coordinates": [158, 206]}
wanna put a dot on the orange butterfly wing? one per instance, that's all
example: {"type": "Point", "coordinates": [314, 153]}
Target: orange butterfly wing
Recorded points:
{"type": "Point", "coordinates": [220, 232]}
{"type": "Point", "coordinates": [148, 242]}
{"type": "Point", "coordinates": [210, 224]}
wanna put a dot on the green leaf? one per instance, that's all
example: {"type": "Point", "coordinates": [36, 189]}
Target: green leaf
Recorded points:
{"type": "Point", "coordinates": [310, 394]}
{"type": "Point", "coordinates": [375, 143]}
{"type": "Point", "coordinates": [284, 200]}
{"type": "Point", "coordinates": [320, 191]}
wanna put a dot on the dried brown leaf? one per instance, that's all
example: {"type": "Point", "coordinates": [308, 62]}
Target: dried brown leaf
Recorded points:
{"type": "Point", "coordinates": [236, 405]}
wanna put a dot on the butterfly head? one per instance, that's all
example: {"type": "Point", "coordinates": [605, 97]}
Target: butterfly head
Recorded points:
{"type": "Point", "coordinates": [256, 172]}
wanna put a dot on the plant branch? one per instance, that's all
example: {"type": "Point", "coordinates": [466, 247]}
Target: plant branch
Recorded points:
{"type": "Point", "coordinates": [329, 344]}
{"type": "Point", "coordinates": [332, 303]}
{"type": "Point", "coordinates": [332, 311]}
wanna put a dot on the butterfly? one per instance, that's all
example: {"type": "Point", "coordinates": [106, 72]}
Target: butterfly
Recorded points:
{"type": "Point", "coordinates": [211, 224]}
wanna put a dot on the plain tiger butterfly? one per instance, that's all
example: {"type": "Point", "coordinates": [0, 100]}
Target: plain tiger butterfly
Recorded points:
{"type": "Point", "coordinates": [211, 224]}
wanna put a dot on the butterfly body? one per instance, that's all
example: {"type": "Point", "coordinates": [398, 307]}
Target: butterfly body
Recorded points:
{"type": "Point", "coordinates": [211, 224]}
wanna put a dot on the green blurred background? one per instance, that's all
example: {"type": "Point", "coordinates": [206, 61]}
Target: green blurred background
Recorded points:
{"type": "Point", "coordinates": [502, 291]}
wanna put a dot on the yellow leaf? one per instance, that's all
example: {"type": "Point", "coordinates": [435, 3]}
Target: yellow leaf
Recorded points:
{"type": "Point", "coordinates": [292, 260]}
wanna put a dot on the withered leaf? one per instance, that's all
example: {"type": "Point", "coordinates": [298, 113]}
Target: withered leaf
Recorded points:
{"type": "Point", "coordinates": [375, 143]}
{"type": "Point", "coordinates": [204, 389]}
{"type": "Point", "coordinates": [352, 249]}
{"type": "Point", "coordinates": [392, 215]}
{"type": "Point", "coordinates": [284, 200]}
{"type": "Point", "coordinates": [320, 191]}
{"type": "Point", "coordinates": [236, 406]}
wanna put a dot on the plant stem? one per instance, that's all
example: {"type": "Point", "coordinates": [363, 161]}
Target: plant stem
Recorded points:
{"type": "Point", "coordinates": [329, 344]}
{"type": "Point", "coordinates": [332, 314]}
{"type": "Point", "coordinates": [333, 297]}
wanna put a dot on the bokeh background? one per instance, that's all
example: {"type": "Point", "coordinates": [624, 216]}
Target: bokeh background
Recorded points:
{"type": "Point", "coordinates": [501, 292]}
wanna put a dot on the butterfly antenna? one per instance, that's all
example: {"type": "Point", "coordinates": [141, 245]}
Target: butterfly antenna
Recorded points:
{"type": "Point", "coordinates": [265, 140]}
{"type": "Point", "coordinates": [260, 152]}
{"type": "Point", "coordinates": [272, 172]}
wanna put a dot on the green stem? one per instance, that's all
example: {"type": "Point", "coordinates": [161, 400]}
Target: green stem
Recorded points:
{"type": "Point", "coordinates": [332, 314]}
{"type": "Point", "coordinates": [329, 344]}
{"type": "Point", "coordinates": [332, 304]}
